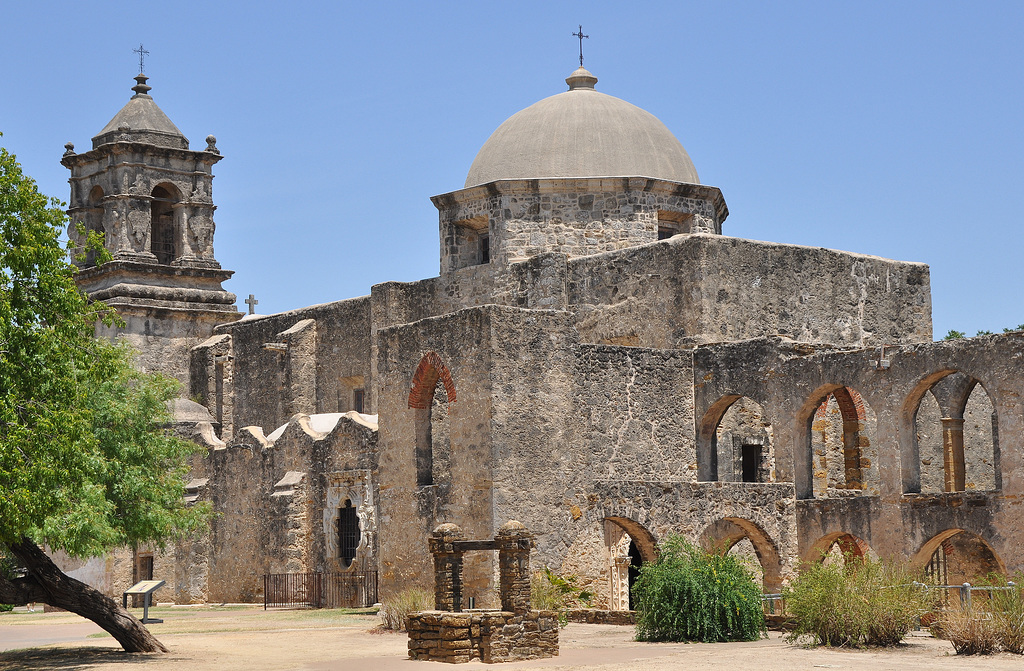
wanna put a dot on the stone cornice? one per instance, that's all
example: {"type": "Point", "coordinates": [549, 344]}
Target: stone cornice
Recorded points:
{"type": "Point", "coordinates": [112, 148]}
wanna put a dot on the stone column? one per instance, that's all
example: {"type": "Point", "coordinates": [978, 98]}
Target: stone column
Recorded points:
{"type": "Point", "coordinates": [447, 567]}
{"type": "Point", "coordinates": [514, 543]}
{"type": "Point", "coordinates": [953, 453]}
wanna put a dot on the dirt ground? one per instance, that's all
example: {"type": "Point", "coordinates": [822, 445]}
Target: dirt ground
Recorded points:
{"type": "Point", "coordinates": [247, 639]}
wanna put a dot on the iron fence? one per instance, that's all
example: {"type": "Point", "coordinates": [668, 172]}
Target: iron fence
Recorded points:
{"type": "Point", "coordinates": [357, 589]}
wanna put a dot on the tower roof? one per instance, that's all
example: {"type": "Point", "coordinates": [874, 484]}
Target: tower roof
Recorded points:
{"type": "Point", "coordinates": [582, 133]}
{"type": "Point", "coordinates": [141, 120]}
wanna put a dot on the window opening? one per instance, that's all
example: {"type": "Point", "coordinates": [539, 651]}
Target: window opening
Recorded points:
{"type": "Point", "coordinates": [349, 533]}
{"type": "Point", "coordinates": [665, 232]}
{"type": "Point", "coordinates": [358, 395]}
{"type": "Point", "coordinates": [751, 462]}
{"type": "Point", "coordinates": [485, 248]}
{"type": "Point", "coordinates": [162, 226]}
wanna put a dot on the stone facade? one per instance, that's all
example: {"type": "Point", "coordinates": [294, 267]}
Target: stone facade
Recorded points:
{"type": "Point", "coordinates": [610, 369]}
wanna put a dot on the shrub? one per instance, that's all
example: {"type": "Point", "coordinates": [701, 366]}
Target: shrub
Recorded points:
{"type": "Point", "coordinates": [395, 608]}
{"type": "Point", "coordinates": [550, 591]}
{"type": "Point", "coordinates": [854, 603]}
{"type": "Point", "coordinates": [1008, 614]}
{"type": "Point", "coordinates": [971, 630]}
{"type": "Point", "coordinates": [689, 594]}
{"type": "Point", "coordinates": [6, 608]}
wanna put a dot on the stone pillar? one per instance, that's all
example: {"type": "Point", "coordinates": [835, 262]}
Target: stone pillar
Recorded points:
{"type": "Point", "coordinates": [953, 453]}
{"type": "Point", "coordinates": [447, 567]}
{"type": "Point", "coordinates": [514, 543]}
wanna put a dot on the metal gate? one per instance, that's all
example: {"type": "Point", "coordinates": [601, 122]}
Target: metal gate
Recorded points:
{"type": "Point", "coordinates": [357, 589]}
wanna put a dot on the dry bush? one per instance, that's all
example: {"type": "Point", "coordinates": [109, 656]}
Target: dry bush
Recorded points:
{"type": "Point", "coordinates": [972, 630]}
{"type": "Point", "coordinates": [1008, 615]}
{"type": "Point", "coordinates": [395, 608]}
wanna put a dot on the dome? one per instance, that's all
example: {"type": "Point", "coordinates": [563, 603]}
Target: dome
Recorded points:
{"type": "Point", "coordinates": [582, 133]}
{"type": "Point", "coordinates": [141, 120]}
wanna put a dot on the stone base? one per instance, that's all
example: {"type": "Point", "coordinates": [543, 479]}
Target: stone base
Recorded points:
{"type": "Point", "coordinates": [490, 636]}
{"type": "Point", "coordinates": [598, 616]}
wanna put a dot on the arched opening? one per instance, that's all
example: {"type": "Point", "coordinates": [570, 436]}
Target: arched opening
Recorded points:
{"type": "Point", "coordinates": [349, 533]}
{"type": "Point", "coordinates": [729, 533]}
{"type": "Point", "coordinates": [163, 234]}
{"type": "Point", "coordinates": [838, 547]}
{"type": "Point", "coordinates": [956, 435]}
{"type": "Point", "coordinates": [736, 442]}
{"type": "Point", "coordinates": [431, 396]}
{"type": "Point", "coordinates": [629, 545]}
{"type": "Point", "coordinates": [841, 439]}
{"type": "Point", "coordinates": [956, 556]}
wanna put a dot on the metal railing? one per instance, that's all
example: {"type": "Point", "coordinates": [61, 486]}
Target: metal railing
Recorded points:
{"type": "Point", "coordinates": [357, 589]}
{"type": "Point", "coordinates": [965, 590]}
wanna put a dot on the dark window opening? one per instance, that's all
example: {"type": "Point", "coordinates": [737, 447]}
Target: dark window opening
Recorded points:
{"type": "Point", "coordinates": [666, 232]}
{"type": "Point", "coordinates": [485, 248]}
{"type": "Point", "coordinates": [751, 462]}
{"type": "Point", "coordinates": [162, 226]}
{"type": "Point", "coordinates": [357, 399]}
{"type": "Point", "coordinates": [349, 533]}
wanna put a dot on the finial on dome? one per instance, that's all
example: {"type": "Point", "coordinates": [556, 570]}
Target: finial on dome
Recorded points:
{"type": "Point", "coordinates": [141, 88]}
{"type": "Point", "coordinates": [581, 79]}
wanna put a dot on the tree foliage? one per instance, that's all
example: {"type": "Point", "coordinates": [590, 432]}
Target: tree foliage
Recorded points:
{"type": "Point", "coordinates": [86, 460]}
{"type": "Point", "coordinates": [689, 594]}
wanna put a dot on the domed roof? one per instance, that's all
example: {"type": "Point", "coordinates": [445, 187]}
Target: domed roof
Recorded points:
{"type": "Point", "coordinates": [141, 120]}
{"type": "Point", "coordinates": [582, 133]}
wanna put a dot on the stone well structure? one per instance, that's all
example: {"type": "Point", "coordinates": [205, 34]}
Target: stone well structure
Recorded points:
{"type": "Point", "coordinates": [516, 632]}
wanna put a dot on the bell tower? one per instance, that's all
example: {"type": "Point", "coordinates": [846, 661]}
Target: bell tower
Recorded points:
{"type": "Point", "coordinates": [150, 196]}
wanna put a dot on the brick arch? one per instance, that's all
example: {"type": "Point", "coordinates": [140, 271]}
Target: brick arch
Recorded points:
{"type": "Point", "coordinates": [428, 372]}
{"type": "Point", "coordinates": [853, 411]}
{"type": "Point", "coordinates": [721, 535]}
{"type": "Point", "coordinates": [850, 545]}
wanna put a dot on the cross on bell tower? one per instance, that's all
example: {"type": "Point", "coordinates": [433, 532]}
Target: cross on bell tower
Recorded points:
{"type": "Point", "coordinates": [141, 51]}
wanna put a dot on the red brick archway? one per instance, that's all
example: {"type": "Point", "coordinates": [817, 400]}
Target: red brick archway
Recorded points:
{"type": "Point", "coordinates": [428, 372]}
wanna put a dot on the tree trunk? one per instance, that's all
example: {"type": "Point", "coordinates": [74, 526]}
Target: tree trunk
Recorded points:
{"type": "Point", "coordinates": [48, 584]}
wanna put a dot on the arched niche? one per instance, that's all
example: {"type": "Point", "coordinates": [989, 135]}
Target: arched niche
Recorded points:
{"type": "Point", "coordinates": [955, 436]}
{"type": "Point", "coordinates": [93, 222]}
{"type": "Point", "coordinates": [729, 533]}
{"type": "Point", "coordinates": [736, 442]}
{"type": "Point", "coordinates": [431, 395]}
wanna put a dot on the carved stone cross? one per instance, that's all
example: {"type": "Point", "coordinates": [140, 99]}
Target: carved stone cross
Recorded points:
{"type": "Point", "coordinates": [252, 303]}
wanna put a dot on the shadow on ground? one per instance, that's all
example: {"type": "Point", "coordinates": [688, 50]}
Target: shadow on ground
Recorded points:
{"type": "Point", "coordinates": [69, 658]}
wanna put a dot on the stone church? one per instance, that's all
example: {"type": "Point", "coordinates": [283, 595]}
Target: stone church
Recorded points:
{"type": "Point", "coordinates": [595, 359]}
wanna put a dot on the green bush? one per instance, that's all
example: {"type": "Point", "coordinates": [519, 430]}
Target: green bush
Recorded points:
{"type": "Point", "coordinates": [550, 591]}
{"type": "Point", "coordinates": [6, 608]}
{"type": "Point", "coordinates": [853, 603]}
{"type": "Point", "coordinates": [1008, 613]}
{"type": "Point", "coordinates": [395, 608]}
{"type": "Point", "coordinates": [689, 594]}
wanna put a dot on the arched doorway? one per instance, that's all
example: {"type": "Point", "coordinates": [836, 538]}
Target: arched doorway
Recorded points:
{"type": "Point", "coordinates": [839, 546]}
{"type": "Point", "coordinates": [629, 545]}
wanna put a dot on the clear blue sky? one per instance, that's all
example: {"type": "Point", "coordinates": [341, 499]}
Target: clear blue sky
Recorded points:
{"type": "Point", "coordinates": [884, 128]}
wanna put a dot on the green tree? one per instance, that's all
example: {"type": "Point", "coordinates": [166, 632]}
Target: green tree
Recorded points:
{"type": "Point", "coordinates": [86, 461]}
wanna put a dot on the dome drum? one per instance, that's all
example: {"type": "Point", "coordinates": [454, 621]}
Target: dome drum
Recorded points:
{"type": "Point", "coordinates": [510, 220]}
